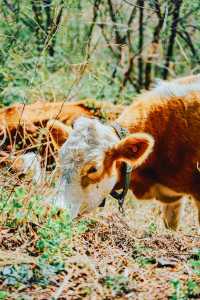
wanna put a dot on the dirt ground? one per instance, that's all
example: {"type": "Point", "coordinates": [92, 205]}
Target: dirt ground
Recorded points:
{"type": "Point", "coordinates": [115, 256]}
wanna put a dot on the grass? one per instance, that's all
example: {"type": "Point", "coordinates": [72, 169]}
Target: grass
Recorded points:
{"type": "Point", "coordinates": [104, 255]}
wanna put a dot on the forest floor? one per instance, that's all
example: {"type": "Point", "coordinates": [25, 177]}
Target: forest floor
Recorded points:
{"type": "Point", "coordinates": [103, 255]}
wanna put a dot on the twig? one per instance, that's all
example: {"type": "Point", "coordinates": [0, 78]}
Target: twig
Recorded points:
{"type": "Point", "coordinates": [37, 11]}
{"type": "Point", "coordinates": [136, 4]}
{"type": "Point", "coordinates": [187, 38]}
{"type": "Point", "coordinates": [10, 6]}
{"type": "Point", "coordinates": [52, 27]}
{"type": "Point", "coordinates": [95, 15]}
{"type": "Point", "coordinates": [118, 39]}
{"type": "Point", "coordinates": [140, 44]}
{"type": "Point", "coordinates": [127, 75]}
{"type": "Point", "coordinates": [154, 43]}
{"type": "Point", "coordinates": [172, 38]}
{"type": "Point", "coordinates": [102, 26]}
{"type": "Point", "coordinates": [131, 18]}
{"type": "Point", "coordinates": [61, 288]}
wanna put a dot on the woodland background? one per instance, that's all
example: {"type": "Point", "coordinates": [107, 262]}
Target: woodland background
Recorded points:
{"type": "Point", "coordinates": [103, 49]}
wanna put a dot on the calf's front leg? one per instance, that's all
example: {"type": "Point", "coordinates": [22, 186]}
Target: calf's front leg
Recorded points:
{"type": "Point", "coordinates": [171, 206]}
{"type": "Point", "coordinates": [171, 214]}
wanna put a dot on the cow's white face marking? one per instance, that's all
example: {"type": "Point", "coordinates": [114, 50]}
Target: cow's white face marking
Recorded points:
{"type": "Point", "coordinates": [86, 144]}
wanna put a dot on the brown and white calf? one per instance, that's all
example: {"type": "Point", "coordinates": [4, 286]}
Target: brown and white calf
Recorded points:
{"type": "Point", "coordinates": [163, 147]}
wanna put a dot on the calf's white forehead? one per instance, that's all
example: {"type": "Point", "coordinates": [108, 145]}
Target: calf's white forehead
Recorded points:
{"type": "Point", "coordinates": [87, 141]}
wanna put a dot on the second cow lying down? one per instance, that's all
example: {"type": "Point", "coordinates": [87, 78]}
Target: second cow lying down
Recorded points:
{"type": "Point", "coordinates": [42, 127]}
{"type": "Point", "coordinates": [163, 147]}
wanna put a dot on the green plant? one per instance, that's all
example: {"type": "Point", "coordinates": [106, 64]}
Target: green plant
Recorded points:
{"type": "Point", "coordinates": [83, 225]}
{"type": "Point", "coordinates": [20, 275]}
{"type": "Point", "coordinates": [184, 291]}
{"type": "Point", "coordinates": [193, 288]}
{"type": "Point", "coordinates": [178, 293]}
{"type": "Point", "coordinates": [195, 261]}
{"type": "Point", "coordinates": [3, 295]}
{"type": "Point", "coordinates": [54, 236]}
{"type": "Point", "coordinates": [145, 261]}
{"type": "Point", "coordinates": [118, 283]}
{"type": "Point", "coordinates": [152, 229]}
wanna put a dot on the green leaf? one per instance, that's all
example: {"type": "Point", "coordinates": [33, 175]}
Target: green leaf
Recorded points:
{"type": "Point", "coordinates": [3, 295]}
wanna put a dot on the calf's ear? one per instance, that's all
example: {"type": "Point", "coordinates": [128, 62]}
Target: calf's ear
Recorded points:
{"type": "Point", "coordinates": [133, 149]}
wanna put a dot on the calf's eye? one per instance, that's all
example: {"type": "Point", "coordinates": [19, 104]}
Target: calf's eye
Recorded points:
{"type": "Point", "coordinates": [92, 170]}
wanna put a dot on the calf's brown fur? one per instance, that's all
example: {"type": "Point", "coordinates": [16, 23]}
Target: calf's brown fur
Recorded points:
{"type": "Point", "coordinates": [171, 170]}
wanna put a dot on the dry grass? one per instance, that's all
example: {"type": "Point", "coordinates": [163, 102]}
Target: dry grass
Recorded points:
{"type": "Point", "coordinates": [106, 255]}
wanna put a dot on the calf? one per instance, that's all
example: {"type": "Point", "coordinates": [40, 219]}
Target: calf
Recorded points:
{"type": "Point", "coordinates": [163, 147]}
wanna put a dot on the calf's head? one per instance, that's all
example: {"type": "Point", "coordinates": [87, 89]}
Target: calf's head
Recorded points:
{"type": "Point", "coordinates": [89, 163]}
